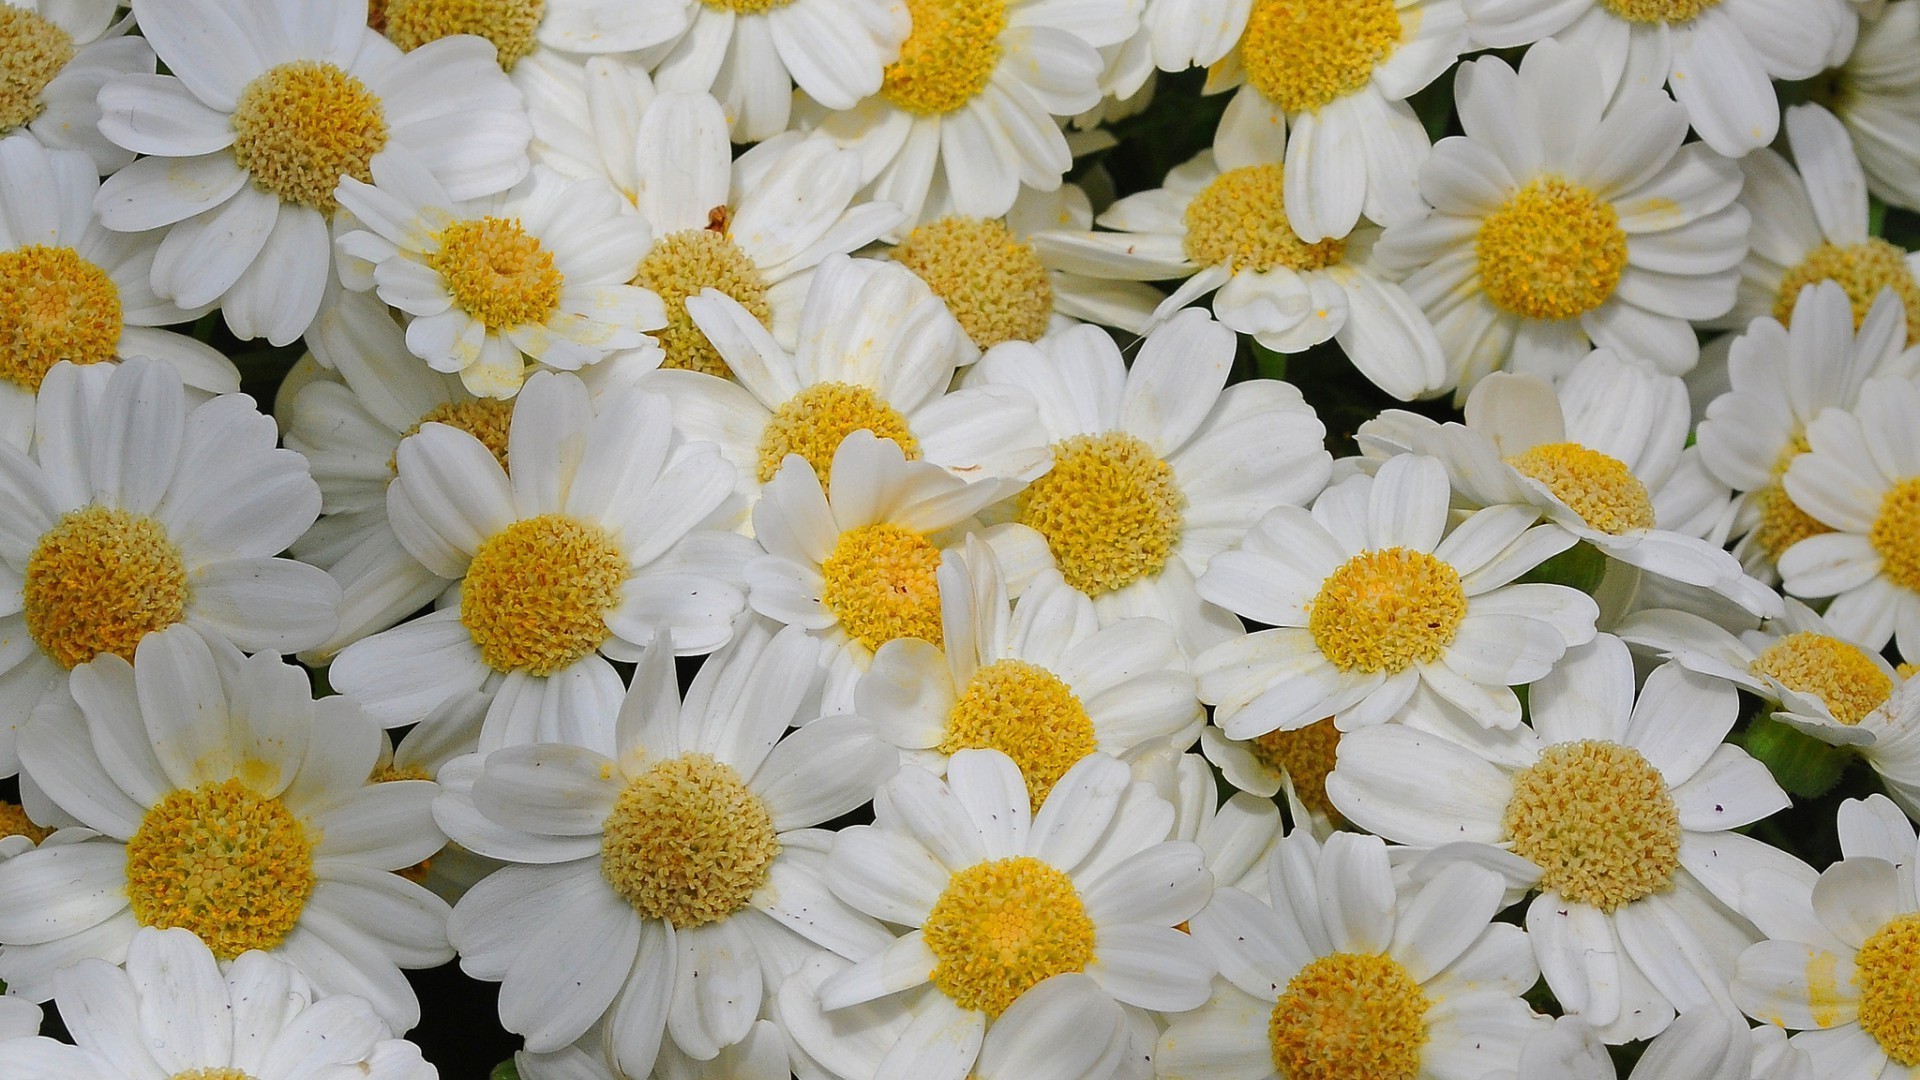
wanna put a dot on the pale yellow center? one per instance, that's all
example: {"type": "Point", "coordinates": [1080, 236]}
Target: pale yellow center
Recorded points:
{"type": "Point", "coordinates": [679, 265]}
{"type": "Point", "coordinates": [302, 126]}
{"type": "Point", "coordinates": [1896, 534]}
{"type": "Point", "coordinates": [537, 593]}
{"type": "Point", "coordinates": [1598, 487]}
{"type": "Point", "coordinates": [496, 272]}
{"type": "Point", "coordinates": [1887, 972]}
{"type": "Point", "coordinates": [1027, 713]}
{"type": "Point", "coordinates": [882, 584]}
{"type": "Point", "coordinates": [231, 865]}
{"type": "Point", "coordinates": [687, 842]}
{"type": "Point", "coordinates": [54, 306]}
{"type": "Point", "coordinates": [1598, 820]}
{"type": "Point", "coordinates": [99, 581]}
{"type": "Point", "coordinates": [815, 421]}
{"type": "Point", "coordinates": [32, 52]}
{"type": "Point", "coordinates": [1240, 222]}
{"type": "Point", "coordinates": [1109, 508]}
{"type": "Point", "coordinates": [992, 282]}
{"type": "Point", "coordinates": [15, 822]}
{"type": "Point", "coordinates": [486, 419]}
{"type": "Point", "coordinates": [1862, 270]}
{"type": "Point", "coordinates": [1002, 927]}
{"type": "Point", "coordinates": [1387, 610]}
{"type": "Point", "coordinates": [509, 24]}
{"type": "Point", "coordinates": [1349, 1016]}
{"type": "Point", "coordinates": [1672, 12]}
{"type": "Point", "coordinates": [1554, 250]}
{"type": "Point", "coordinates": [1305, 755]}
{"type": "Point", "coordinates": [1302, 54]}
{"type": "Point", "coordinates": [948, 57]}
{"type": "Point", "coordinates": [1844, 678]}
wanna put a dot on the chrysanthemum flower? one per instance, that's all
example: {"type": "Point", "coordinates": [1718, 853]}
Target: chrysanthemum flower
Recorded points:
{"type": "Point", "coordinates": [56, 54]}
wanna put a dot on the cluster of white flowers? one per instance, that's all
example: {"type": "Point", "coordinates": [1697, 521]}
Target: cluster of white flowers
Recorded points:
{"type": "Point", "coordinates": [838, 608]}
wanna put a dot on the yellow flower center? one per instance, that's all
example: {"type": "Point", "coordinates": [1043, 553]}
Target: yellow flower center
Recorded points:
{"type": "Point", "coordinates": [302, 126]}
{"type": "Point", "coordinates": [509, 24]}
{"type": "Point", "coordinates": [994, 284]}
{"type": "Point", "coordinates": [211, 1074]}
{"type": "Point", "coordinates": [1240, 222]}
{"type": "Point", "coordinates": [537, 593]}
{"type": "Point", "coordinates": [496, 272]}
{"type": "Point", "coordinates": [15, 822]}
{"type": "Point", "coordinates": [1302, 54]}
{"type": "Point", "coordinates": [948, 56]}
{"type": "Point", "coordinates": [1844, 678]}
{"type": "Point", "coordinates": [1109, 509]}
{"type": "Point", "coordinates": [1002, 927]}
{"type": "Point", "coordinates": [1862, 270]}
{"type": "Point", "coordinates": [1305, 755]}
{"type": "Point", "coordinates": [1672, 12]}
{"type": "Point", "coordinates": [815, 421]}
{"type": "Point", "coordinates": [1598, 821]}
{"type": "Point", "coordinates": [1553, 250]}
{"type": "Point", "coordinates": [99, 581]}
{"type": "Point", "coordinates": [1349, 1016]}
{"type": "Point", "coordinates": [1598, 487]}
{"type": "Point", "coordinates": [486, 419]}
{"type": "Point", "coordinates": [1782, 523]}
{"type": "Point", "coordinates": [231, 865]}
{"type": "Point", "coordinates": [1387, 610]}
{"type": "Point", "coordinates": [687, 842]}
{"type": "Point", "coordinates": [1887, 970]}
{"type": "Point", "coordinates": [32, 52]}
{"type": "Point", "coordinates": [1896, 534]}
{"type": "Point", "coordinates": [1026, 713]}
{"type": "Point", "coordinates": [679, 265]}
{"type": "Point", "coordinates": [881, 583]}
{"type": "Point", "coordinates": [54, 306]}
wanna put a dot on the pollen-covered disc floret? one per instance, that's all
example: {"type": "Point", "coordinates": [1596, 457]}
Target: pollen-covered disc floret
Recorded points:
{"type": "Point", "coordinates": [1598, 820]}
{"type": "Point", "coordinates": [1863, 270]}
{"type": "Point", "coordinates": [687, 842]}
{"type": "Point", "coordinates": [882, 583]}
{"type": "Point", "coordinates": [1386, 610]}
{"type": "Point", "coordinates": [537, 593]}
{"type": "Point", "coordinates": [100, 580]}
{"type": "Point", "coordinates": [1349, 1016]}
{"type": "Point", "coordinates": [231, 865]}
{"type": "Point", "coordinates": [1303, 54]}
{"type": "Point", "coordinates": [32, 51]}
{"type": "Point", "coordinates": [1886, 970]}
{"type": "Point", "coordinates": [509, 24]}
{"type": "Point", "coordinates": [1109, 509]}
{"type": "Point", "coordinates": [1554, 250]}
{"type": "Point", "coordinates": [496, 272]}
{"type": "Point", "coordinates": [54, 306]}
{"type": "Point", "coordinates": [1838, 673]}
{"type": "Point", "coordinates": [990, 279]}
{"type": "Point", "coordinates": [1240, 222]}
{"type": "Point", "coordinates": [816, 420]}
{"type": "Point", "coordinates": [1670, 12]}
{"type": "Point", "coordinates": [303, 125]}
{"type": "Point", "coordinates": [1027, 713]}
{"type": "Point", "coordinates": [948, 56]}
{"type": "Point", "coordinates": [1598, 487]}
{"type": "Point", "coordinates": [1306, 755]}
{"type": "Point", "coordinates": [1895, 534]}
{"type": "Point", "coordinates": [1002, 927]}
{"type": "Point", "coordinates": [486, 419]}
{"type": "Point", "coordinates": [679, 265]}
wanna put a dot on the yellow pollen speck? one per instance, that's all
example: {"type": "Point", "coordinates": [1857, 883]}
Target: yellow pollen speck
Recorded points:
{"type": "Point", "coordinates": [496, 272]}
{"type": "Point", "coordinates": [1597, 818]}
{"type": "Point", "coordinates": [54, 306]}
{"type": "Point", "coordinates": [1844, 678]}
{"type": "Point", "coordinates": [486, 419]}
{"type": "Point", "coordinates": [1896, 534]}
{"type": "Point", "coordinates": [994, 284]}
{"type": "Point", "coordinates": [815, 421]}
{"type": "Point", "coordinates": [1109, 508]}
{"type": "Point", "coordinates": [948, 57]}
{"type": "Point", "coordinates": [537, 593]}
{"type": "Point", "coordinates": [1302, 54]}
{"type": "Point", "coordinates": [881, 582]}
{"type": "Point", "coordinates": [509, 24]}
{"type": "Point", "coordinates": [15, 822]}
{"type": "Point", "coordinates": [1862, 270]}
{"type": "Point", "coordinates": [1887, 971]}
{"type": "Point", "coordinates": [679, 265]}
{"type": "Point", "coordinates": [1002, 927]}
{"type": "Point", "coordinates": [1240, 222]}
{"type": "Point", "coordinates": [1672, 12]}
{"type": "Point", "coordinates": [1598, 487]}
{"type": "Point", "coordinates": [687, 842]}
{"type": "Point", "coordinates": [32, 51]}
{"type": "Point", "coordinates": [211, 1074]}
{"type": "Point", "coordinates": [99, 581]}
{"type": "Point", "coordinates": [302, 126]}
{"type": "Point", "coordinates": [1553, 250]}
{"type": "Point", "coordinates": [231, 865]}
{"type": "Point", "coordinates": [1027, 713]}
{"type": "Point", "coordinates": [1304, 755]}
{"type": "Point", "coordinates": [1387, 610]}
{"type": "Point", "coordinates": [1349, 1016]}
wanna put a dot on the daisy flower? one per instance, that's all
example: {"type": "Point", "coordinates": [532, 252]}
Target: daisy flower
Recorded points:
{"type": "Point", "coordinates": [75, 291]}
{"type": "Point", "coordinates": [609, 504]}
{"type": "Point", "coordinates": [1876, 94]}
{"type": "Point", "coordinates": [1229, 230]}
{"type": "Point", "coordinates": [511, 25]}
{"type": "Point", "coordinates": [995, 900]}
{"type": "Point", "coordinates": [136, 513]}
{"type": "Point", "coordinates": [1158, 467]}
{"type": "Point", "coordinates": [227, 802]}
{"type": "Point", "coordinates": [1290, 763]}
{"type": "Point", "coordinates": [173, 1011]}
{"type": "Point", "coordinates": [534, 275]}
{"type": "Point", "coordinates": [661, 867]}
{"type": "Point", "coordinates": [1561, 220]}
{"type": "Point", "coordinates": [1703, 1044]}
{"type": "Point", "coordinates": [1618, 811]}
{"type": "Point", "coordinates": [1372, 601]}
{"type": "Point", "coordinates": [1345, 975]}
{"type": "Point", "coordinates": [265, 111]}
{"type": "Point", "coordinates": [1717, 56]}
{"type": "Point", "coordinates": [57, 54]}
{"type": "Point", "coordinates": [1236, 836]}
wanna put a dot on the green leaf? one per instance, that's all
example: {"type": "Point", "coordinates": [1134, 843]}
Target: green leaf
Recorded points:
{"type": "Point", "coordinates": [1805, 766]}
{"type": "Point", "coordinates": [1580, 566]}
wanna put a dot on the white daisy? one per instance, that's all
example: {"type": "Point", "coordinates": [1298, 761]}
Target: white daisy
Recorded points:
{"type": "Point", "coordinates": [1619, 812]}
{"type": "Point", "coordinates": [1375, 605]}
{"type": "Point", "coordinates": [1703, 1044]}
{"type": "Point", "coordinates": [1236, 836]}
{"type": "Point", "coordinates": [225, 801]}
{"type": "Point", "coordinates": [1876, 94]}
{"type": "Point", "coordinates": [511, 25]}
{"type": "Point", "coordinates": [265, 111]}
{"type": "Point", "coordinates": [661, 867]}
{"type": "Point", "coordinates": [1290, 763]}
{"type": "Point", "coordinates": [56, 54]}
{"type": "Point", "coordinates": [1563, 220]}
